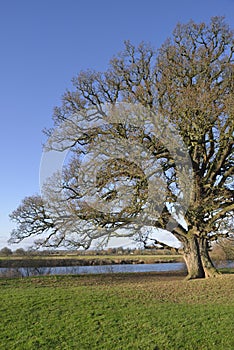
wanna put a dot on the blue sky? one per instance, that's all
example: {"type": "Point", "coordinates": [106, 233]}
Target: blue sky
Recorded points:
{"type": "Point", "coordinates": [44, 43]}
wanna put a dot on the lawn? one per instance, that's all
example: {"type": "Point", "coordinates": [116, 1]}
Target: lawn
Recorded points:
{"type": "Point", "coordinates": [117, 312]}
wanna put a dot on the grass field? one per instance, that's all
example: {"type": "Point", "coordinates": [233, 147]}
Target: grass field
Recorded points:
{"type": "Point", "coordinates": [88, 257]}
{"type": "Point", "coordinates": [117, 312]}
{"type": "Point", "coordinates": [146, 258]}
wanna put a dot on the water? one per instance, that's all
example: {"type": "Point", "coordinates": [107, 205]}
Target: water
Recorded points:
{"type": "Point", "coordinates": [120, 268]}
{"type": "Point", "coordinates": [67, 270]}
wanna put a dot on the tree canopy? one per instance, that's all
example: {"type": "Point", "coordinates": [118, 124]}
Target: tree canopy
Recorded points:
{"type": "Point", "coordinates": [151, 145]}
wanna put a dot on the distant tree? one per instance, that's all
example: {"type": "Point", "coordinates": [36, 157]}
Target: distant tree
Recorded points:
{"type": "Point", "coordinates": [189, 86]}
{"type": "Point", "coordinates": [5, 251]}
{"type": "Point", "coordinates": [20, 252]}
{"type": "Point", "coordinates": [111, 251]}
{"type": "Point", "coordinates": [226, 245]}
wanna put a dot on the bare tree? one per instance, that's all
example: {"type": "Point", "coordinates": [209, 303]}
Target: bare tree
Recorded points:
{"type": "Point", "coordinates": [225, 246]}
{"type": "Point", "coordinates": [164, 163]}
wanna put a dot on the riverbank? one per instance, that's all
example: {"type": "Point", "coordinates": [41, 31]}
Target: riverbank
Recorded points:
{"type": "Point", "coordinates": [48, 261]}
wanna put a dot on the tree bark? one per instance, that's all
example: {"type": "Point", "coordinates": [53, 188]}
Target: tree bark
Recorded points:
{"type": "Point", "coordinates": [192, 258]}
{"type": "Point", "coordinates": [197, 259]}
{"type": "Point", "coordinates": [208, 266]}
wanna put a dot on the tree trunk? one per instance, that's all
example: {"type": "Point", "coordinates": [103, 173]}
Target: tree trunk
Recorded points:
{"type": "Point", "coordinates": [192, 258]}
{"type": "Point", "coordinates": [208, 266]}
{"type": "Point", "coordinates": [197, 259]}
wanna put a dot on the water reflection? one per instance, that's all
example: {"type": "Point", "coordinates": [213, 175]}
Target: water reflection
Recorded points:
{"type": "Point", "coordinates": [74, 270]}
{"type": "Point", "coordinates": [68, 270]}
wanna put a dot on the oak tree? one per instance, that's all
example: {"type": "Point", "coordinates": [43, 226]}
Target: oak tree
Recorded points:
{"type": "Point", "coordinates": [164, 163]}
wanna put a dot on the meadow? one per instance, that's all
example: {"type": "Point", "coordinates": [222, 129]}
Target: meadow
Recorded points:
{"type": "Point", "coordinates": [117, 312]}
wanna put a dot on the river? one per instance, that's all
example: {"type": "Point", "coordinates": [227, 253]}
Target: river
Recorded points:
{"type": "Point", "coordinates": [67, 270]}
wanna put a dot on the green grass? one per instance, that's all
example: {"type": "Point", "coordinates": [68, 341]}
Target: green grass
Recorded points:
{"type": "Point", "coordinates": [117, 312]}
{"type": "Point", "coordinates": [92, 257]}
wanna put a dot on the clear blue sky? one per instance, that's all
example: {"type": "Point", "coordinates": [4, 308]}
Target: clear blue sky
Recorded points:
{"type": "Point", "coordinates": [44, 43]}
